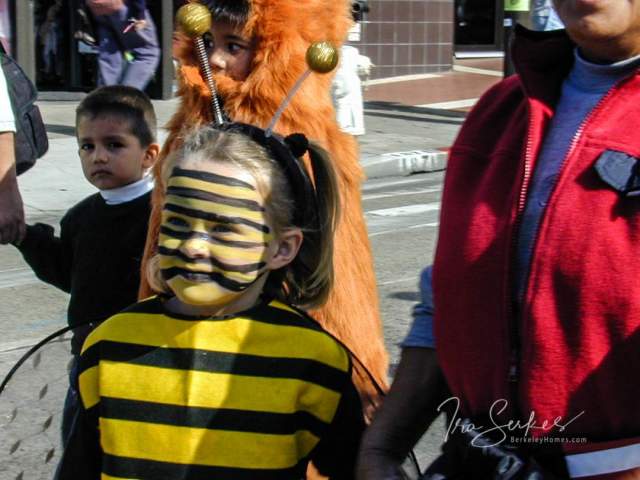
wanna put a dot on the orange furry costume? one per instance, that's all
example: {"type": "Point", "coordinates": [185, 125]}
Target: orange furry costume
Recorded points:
{"type": "Point", "coordinates": [283, 29]}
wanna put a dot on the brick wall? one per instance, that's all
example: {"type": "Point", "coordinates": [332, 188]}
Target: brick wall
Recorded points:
{"type": "Point", "coordinates": [404, 37]}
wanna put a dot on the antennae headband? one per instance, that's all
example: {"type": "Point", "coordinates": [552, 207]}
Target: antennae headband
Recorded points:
{"type": "Point", "coordinates": [286, 152]}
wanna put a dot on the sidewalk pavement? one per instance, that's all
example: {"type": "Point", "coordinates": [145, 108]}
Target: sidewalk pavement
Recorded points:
{"type": "Point", "coordinates": [410, 122]}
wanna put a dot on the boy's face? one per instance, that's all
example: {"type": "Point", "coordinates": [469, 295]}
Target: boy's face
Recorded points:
{"type": "Point", "coordinates": [230, 53]}
{"type": "Point", "coordinates": [111, 155]}
{"type": "Point", "coordinates": [215, 241]}
{"type": "Point", "coordinates": [605, 30]}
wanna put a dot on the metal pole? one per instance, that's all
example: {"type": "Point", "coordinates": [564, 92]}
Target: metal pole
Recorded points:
{"type": "Point", "coordinates": [166, 61]}
{"type": "Point", "coordinates": [25, 47]}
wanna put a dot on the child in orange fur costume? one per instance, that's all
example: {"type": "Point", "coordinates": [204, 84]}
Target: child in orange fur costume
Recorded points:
{"type": "Point", "coordinates": [275, 35]}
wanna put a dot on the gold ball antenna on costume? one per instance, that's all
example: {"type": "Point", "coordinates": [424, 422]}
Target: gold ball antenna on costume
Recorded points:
{"type": "Point", "coordinates": [194, 19]}
{"type": "Point", "coordinates": [322, 57]}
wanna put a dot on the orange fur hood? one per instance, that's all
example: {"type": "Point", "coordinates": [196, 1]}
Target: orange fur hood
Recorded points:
{"type": "Point", "coordinates": [283, 30]}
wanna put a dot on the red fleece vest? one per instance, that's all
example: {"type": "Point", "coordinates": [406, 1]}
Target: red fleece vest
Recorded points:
{"type": "Point", "coordinates": [576, 337]}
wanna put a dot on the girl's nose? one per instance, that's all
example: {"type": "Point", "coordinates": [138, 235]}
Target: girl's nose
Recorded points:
{"type": "Point", "coordinates": [195, 247]}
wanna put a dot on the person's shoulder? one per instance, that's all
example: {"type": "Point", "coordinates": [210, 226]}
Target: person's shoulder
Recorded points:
{"type": "Point", "coordinates": [110, 328]}
{"type": "Point", "coordinates": [508, 90]}
{"type": "Point", "coordinates": [321, 345]}
{"type": "Point", "coordinates": [284, 314]}
{"type": "Point", "coordinates": [82, 207]}
{"type": "Point", "coordinates": [494, 117]}
{"type": "Point", "coordinates": [136, 208]}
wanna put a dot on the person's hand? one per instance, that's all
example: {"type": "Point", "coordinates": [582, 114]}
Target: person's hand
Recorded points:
{"type": "Point", "coordinates": [12, 226]}
{"type": "Point", "coordinates": [139, 24]}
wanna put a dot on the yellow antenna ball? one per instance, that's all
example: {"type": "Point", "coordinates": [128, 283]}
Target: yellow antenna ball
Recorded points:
{"type": "Point", "coordinates": [194, 19]}
{"type": "Point", "coordinates": [322, 57]}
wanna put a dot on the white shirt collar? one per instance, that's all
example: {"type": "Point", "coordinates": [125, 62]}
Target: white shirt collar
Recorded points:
{"type": "Point", "coordinates": [115, 196]}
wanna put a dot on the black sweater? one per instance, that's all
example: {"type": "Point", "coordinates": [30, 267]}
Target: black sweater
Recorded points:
{"type": "Point", "coordinates": [96, 258]}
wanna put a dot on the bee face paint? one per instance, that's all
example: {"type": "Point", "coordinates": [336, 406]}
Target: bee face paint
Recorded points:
{"type": "Point", "coordinates": [213, 237]}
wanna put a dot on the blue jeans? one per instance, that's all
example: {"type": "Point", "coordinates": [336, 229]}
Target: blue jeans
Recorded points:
{"type": "Point", "coordinates": [114, 68]}
{"type": "Point", "coordinates": [71, 401]}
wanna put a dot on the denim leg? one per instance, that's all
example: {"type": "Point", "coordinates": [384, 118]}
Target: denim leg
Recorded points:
{"type": "Point", "coordinates": [141, 70]}
{"type": "Point", "coordinates": [71, 401]}
{"type": "Point", "coordinates": [146, 58]}
{"type": "Point", "coordinates": [110, 61]}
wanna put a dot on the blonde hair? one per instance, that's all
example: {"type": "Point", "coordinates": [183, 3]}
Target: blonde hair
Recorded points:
{"type": "Point", "coordinates": [308, 279]}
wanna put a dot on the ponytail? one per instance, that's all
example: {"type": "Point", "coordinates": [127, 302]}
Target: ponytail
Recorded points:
{"type": "Point", "coordinates": [309, 278]}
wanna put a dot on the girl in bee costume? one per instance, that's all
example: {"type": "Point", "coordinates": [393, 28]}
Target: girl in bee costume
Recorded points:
{"type": "Point", "coordinates": [256, 51]}
{"type": "Point", "coordinates": [221, 375]}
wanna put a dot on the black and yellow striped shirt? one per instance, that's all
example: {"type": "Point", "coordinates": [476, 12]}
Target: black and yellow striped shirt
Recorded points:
{"type": "Point", "coordinates": [250, 396]}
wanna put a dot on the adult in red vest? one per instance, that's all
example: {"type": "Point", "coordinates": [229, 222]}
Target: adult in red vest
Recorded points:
{"type": "Point", "coordinates": [536, 277]}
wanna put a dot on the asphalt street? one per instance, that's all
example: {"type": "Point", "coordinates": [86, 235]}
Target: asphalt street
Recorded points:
{"type": "Point", "coordinates": [402, 216]}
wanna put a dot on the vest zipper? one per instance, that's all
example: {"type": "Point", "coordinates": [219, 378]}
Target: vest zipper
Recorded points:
{"type": "Point", "coordinates": [514, 357]}
{"type": "Point", "coordinates": [515, 319]}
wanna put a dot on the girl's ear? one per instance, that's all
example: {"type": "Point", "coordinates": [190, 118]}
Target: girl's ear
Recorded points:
{"type": "Point", "coordinates": [288, 245]}
{"type": "Point", "coordinates": [151, 155]}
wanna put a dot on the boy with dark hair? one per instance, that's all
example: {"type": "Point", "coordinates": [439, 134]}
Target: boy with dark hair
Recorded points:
{"type": "Point", "coordinates": [96, 258]}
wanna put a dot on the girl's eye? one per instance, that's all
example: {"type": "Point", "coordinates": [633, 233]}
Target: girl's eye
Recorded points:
{"type": "Point", "coordinates": [86, 146]}
{"type": "Point", "coordinates": [114, 145]}
{"type": "Point", "coordinates": [177, 222]}
{"type": "Point", "coordinates": [221, 228]}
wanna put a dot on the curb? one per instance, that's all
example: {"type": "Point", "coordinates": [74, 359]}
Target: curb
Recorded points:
{"type": "Point", "coordinates": [404, 163]}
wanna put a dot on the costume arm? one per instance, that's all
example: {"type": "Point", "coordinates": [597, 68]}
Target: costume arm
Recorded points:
{"type": "Point", "coordinates": [406, 413]}
{"type": "Point", "coordinates": [335, 455]}
{"type": "Point", "coordinates": [421, 331]}
{"type": "Point", "coordinates": [49, 256]}
{"type": "Point", "coordinates": [411, 404]}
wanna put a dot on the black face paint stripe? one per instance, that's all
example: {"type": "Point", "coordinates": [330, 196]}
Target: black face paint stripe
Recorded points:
{"type": "Point", "coordinates": [246, 268]}
{"type": "Point", "coordinates": [219, 278]}
{"type": "Point", "coordinates": [213, 217]}
{"type": "Point", "coordinates": [216, 241]}
{"type": "Point", "coordinates": [211, 178]}
{"type": "Point", "coordinates": [216, 198]}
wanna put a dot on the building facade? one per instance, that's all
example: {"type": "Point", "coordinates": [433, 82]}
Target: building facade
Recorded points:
{"type": "Point", "coordinates": [401, 37]}
{"type": "Point", "coordinates": [408, 37]}
{"type": "Point", "coordinates": [42, 37]}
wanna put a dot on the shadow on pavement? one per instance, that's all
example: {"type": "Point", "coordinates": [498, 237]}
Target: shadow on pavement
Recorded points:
{"type": "Point", "coordinates": [399, 107]}
{"type": "Point", "coordinates": [409, 296]}
{"type": "Point", "coordinates": [369, 113]}
{"type": "Point", "coordinates": [61, 129]}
